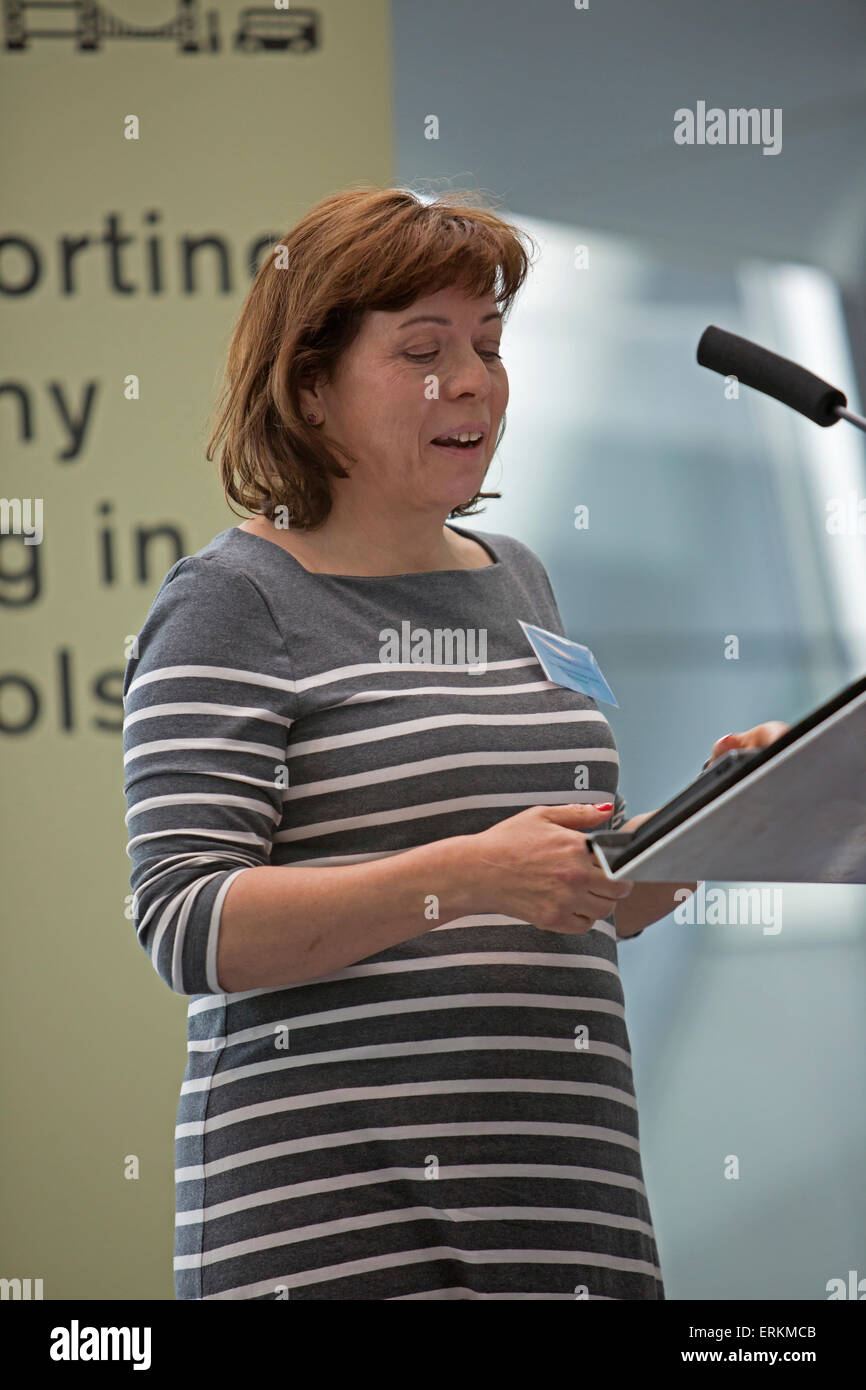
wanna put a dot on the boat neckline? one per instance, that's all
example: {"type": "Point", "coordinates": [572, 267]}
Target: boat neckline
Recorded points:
{"type": "Point", "coordinates": [410, 574]}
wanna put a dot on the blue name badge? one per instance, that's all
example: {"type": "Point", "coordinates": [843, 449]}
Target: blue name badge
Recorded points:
{"type": "Point", "coordinates": [568, 663]}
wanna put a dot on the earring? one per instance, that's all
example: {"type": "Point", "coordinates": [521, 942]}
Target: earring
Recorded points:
{"type": "Point", "coordinates": [313, 419]}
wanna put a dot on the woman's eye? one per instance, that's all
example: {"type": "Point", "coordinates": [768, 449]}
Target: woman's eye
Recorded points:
{"type": "Point", "coordinates": [428, 356]}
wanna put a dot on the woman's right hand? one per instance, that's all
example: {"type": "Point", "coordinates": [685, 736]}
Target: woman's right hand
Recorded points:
{"type": "Point", "coordinates": [537, 866]}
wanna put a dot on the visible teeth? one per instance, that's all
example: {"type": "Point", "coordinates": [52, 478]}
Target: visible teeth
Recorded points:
{"type": "Point", "coordinates": [463, 438]}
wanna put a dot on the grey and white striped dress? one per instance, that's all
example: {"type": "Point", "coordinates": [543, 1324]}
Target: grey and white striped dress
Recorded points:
{"type": "Point", "coordinates": [438, 1126]}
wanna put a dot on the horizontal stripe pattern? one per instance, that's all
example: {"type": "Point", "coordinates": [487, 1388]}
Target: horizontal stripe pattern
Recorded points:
{"type": "Point", "coordinates": [454, 1117]}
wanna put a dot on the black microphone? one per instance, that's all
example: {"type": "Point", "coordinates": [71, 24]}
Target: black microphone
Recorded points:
{"type": "Point", "coordinates": [775, 376]}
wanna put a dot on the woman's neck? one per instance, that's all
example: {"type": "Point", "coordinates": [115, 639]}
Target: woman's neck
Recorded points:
{"type": "Point", "coordinates": [324, 551]}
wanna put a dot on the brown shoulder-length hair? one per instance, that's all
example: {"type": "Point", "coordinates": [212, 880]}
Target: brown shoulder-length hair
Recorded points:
{"type": "Point", "coordinates": [360, 249]}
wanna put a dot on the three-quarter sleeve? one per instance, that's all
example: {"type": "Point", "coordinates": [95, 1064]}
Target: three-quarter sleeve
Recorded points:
{"type": "Point", "coordinates": [208, 704]}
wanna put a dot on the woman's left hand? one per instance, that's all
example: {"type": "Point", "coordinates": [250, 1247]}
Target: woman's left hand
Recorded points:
{"type": "Point", "coordinates": [759, 737]}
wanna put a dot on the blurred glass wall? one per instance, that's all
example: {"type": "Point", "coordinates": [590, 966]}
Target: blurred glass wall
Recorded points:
{"type": "Point", "coordinates": [708, 517]}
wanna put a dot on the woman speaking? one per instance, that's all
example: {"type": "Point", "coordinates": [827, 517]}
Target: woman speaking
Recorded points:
{"type": "Point", "coordinates": [358, 848]}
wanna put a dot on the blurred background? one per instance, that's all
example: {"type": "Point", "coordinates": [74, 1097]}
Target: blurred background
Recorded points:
{"type": "Point", "coordinates": [154, 150]}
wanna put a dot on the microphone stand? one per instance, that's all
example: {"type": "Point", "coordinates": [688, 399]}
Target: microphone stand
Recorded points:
{"type": "Point", "coordinates": [851, 417]}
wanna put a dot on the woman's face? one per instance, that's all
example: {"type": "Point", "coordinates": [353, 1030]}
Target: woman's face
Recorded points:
{"type": "Point", "coordinates": [403, 383]}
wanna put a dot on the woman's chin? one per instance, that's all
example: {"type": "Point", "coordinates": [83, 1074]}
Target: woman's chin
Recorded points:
{"type": "Point", "coordinates": [463, 472]}
{"type": "Point", "coordinates": [459, 494]}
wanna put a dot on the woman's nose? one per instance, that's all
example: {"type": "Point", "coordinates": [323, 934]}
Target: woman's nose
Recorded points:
{"type": "Point", "coordinates": [467, 371]}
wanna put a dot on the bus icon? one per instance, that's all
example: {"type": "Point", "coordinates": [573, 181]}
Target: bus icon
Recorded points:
{"type": "Point", "coordinates": [293, 31]}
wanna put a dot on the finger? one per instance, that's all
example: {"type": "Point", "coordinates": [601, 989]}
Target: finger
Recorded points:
{"type": "Point", "coordinates": [767, 733]}
{"type": "Point", "coordinates": [723, 745]}
{"type": "Point", "coordinates": [758, 736]}
{"type": "Point", "coordinates": [609, 889]}
{"type": "Point", "coordinates": [603, 903]}
{"type": "Point", "coordinates": [598, 882]}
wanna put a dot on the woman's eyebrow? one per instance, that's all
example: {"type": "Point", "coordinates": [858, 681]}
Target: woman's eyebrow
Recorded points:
{"type": "Point", "coordinates": [432, 318]}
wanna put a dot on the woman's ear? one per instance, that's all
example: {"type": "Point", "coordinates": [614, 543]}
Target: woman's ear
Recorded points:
{"type": "Point", "coordinates": [309, 396]}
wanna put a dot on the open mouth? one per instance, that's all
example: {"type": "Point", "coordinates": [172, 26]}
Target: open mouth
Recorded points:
{"type": "Point", "coordinates": [472, 448]}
